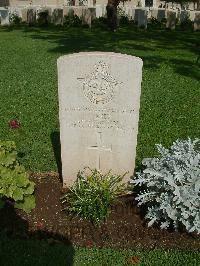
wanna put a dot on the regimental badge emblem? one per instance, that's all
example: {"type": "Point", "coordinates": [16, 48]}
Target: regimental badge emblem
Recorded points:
{"type": "Point", "coordinates": [100, 87]}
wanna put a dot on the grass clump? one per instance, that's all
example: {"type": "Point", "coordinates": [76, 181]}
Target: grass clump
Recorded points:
{"type": "Point", "coordinates": [92, 195]}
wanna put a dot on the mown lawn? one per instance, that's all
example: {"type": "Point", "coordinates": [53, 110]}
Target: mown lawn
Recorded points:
{"type": "Point", "coordinates": [40, 253]}
{"type": "Point", "coordinates": [170, 109]}
{"type": "Point", "coordinates": [170, 101]}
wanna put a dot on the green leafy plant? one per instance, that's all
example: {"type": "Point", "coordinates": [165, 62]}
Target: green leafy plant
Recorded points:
{"type": "Point", "coordinates": [72, 21]}
{"type": "Point", "coordinates": [92, 195]}
{"type": "Point", "coordinates": [155, 23]}
{"type": "Point", "coordinates": [122, 16]}
{"type": "Point", "coordinates": [14, 182]}
{"type": "Point", "coordinates": [186, 24]}
{"type": "Point", "coordinates": [43, 18]}
{"type": "Point", "coordinates": [100, 22]}
{"type": "Point", "coordinates": [15, 19]}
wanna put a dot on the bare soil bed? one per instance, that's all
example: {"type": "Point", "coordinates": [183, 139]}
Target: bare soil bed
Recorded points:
{"type": "Point", "coordinates": [125, 228]}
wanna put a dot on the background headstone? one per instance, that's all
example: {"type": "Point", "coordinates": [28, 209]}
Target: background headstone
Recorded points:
{"type": "Point", "coordinates": [161, 14]}
{"type": "Point", "coordinates": [4, 16]}
{"type": "Point", "coordinates": [78, 11]}
{"type": "Point", "coordinates": [135, 14]}
{"type": "Point", "coordinates": [197, 21]}
{"type": "Point", "coordinates": [154, 13]}
{"type": "Point", "coordinates": [31, 16]}
{"type": "Point", "coordinates": [192, 15]}
{"type": "Point", "coordinates": [171, 20]}
{"type": "Point", "coordinates": [57, 16]}
{"type": "Point", "coordinates": [88, 15]}
{"type": "Point", "coordinates": [99, 11]}
{"type": "Point", "coordinates": [184, 15]}
{"type": "Point", "coordinates": [99, 99]}
{"type": "Point", "coordinates": [142, 18]}
{"type": "Point", "coordinates": [24, 15]}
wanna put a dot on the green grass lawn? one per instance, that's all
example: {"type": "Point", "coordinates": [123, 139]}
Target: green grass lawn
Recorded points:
{"type": "Point", "coordinates": [170, 109]}
{"type": "Point", "coordinates": [40, 253]}
{"type": "Point", "coordinates": [170, 101]}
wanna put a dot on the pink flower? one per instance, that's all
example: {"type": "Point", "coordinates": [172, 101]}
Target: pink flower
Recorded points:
{"type": "Point", "coordinates": [129, 260]}
{"type": "Point", "coordinates": [40, 225]}
{"type": "Point", "coordinates": [14, 124]}
{"type": "Point", "coordinates": [135, 259]}
{"type": "Point", "coordinates": [89, 244]}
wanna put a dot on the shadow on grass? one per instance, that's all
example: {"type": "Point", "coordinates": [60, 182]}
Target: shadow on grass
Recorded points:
{"type": "Point", "coordinates": [19, 246]}
{"type": "Point", "coordinates": [154, 46]}
{"type": "Point", "coordinates": [55, 141]}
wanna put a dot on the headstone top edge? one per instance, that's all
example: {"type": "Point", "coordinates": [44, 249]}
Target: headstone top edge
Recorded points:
{"type": "Point", "coordinates": [112, 54]}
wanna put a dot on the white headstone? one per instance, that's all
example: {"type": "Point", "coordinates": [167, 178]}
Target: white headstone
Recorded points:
{"type": "Point", "coordinates": [154, 13]}
{"type": "Point", "coordinates": [104, 11]}
{"type": "Point", "coordinates": [57, 16]}
{"type": "Point", "coordinates": [99, 11]}
{"type": "Point", "coordinates": [76, 2]}
{"type": "Point", "coordinates": [192, 15]}
{"type": "Point", "coordinates": [24, 15]}
{"type": "Point", "coordinates": [90, 3]}
{"type": "Point", "coordinates": [171, 20]}
{"type": "Point", "coordinates": [31, 16]}
{"type": "Point", "coordinates": [88, 15]}
{"type": "Point", "coordinates": [4, 16]}
{"type": "Point", "coordinates": [99, 100]}
{"type": "Point", "coordinates": [78, 11]}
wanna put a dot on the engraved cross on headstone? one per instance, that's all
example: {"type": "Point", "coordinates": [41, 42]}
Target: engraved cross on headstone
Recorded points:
{"type": "Point", "coordinates": [99, 148]}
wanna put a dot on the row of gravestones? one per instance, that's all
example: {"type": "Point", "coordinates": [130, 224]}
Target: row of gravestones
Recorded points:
{"type": "Point", "coordinates": [142, 15]}
{"type": "Point", "coordinates": [139, 15]}
{"type": "Point", "coordinates": [55, 15]}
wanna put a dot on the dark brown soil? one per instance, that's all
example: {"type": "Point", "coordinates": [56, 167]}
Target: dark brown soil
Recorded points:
{"type": "Point", "coordinates": [125, 227]}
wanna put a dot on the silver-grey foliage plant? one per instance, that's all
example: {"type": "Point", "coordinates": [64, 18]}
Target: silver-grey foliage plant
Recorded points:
{"type": "Point", "coordinates": [172, 184]}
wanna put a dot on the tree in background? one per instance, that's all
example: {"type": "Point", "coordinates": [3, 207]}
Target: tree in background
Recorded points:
{"type": "Point", "coordinates": [111, 9]}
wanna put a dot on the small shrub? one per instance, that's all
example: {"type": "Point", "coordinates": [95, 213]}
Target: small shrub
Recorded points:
{"type": "Point", "coordinates": [92, 195]}
{"type": "Point", "coordinates": [100, 22]}
{"type": "Point", "coordinates": [120, 12]}
{"type": "Point", "coordinates": [72, 21]}
{"type": "Point", "coordinates": [124, 20]}
{"type": "Point", "coordinates": [43, 18]}
{"type": "Point", "coordinates": [155, 23]}
{"type": "Point", "coordinates": [14, 19]}
{"type": "Point", "coordinates": [172, 186]}
{"type": "Point", "coordinates": [186, 25]}
{"type": "Point", "coordinates": [14, 182]}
